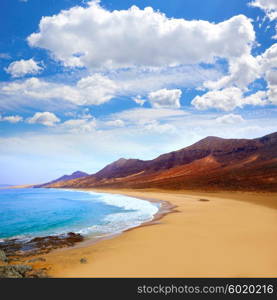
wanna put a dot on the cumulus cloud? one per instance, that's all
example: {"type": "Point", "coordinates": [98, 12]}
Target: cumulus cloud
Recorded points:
{"type": "Point", "coordinates": [79, 125]}
{"type": "Point", "coordinates": [92, 90]}
{"type": "Point", "coordinates": [245, 69]}
{"type": "Point", "coordinates": [268, 60]}
{"type": "Point", "coordinates": [229, 92]}
{"type": "Point", "coordinates": [45, 118]}
{"type": "Point", "coordinates": [268, 6]}
{"type": "Point", "coordinates": [230, 119]}
{"type": "Point", "coordinates": [165, 98]}
{"type": "Point", "coordinates": [23, 67]}
{"type": "Point", "coordinates": [103, 38]}
{"type": "Point", "coordinates": [242, 71]}
{"type": "Point", "coordinates": [155, 70]}
{"type": "Point", "coordinates": [97, 88]}
{"type": "Point", "coordinates": [40, 89]}
{"type": "Point", "coordinates": [228, 99]}
{"type": "Point", "coordinates": [270, 9]}
{"type": "Point", "coordinates": [11, 119]}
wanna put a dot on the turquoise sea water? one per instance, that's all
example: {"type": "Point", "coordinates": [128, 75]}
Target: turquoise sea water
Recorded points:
{"type": "Point", "coordinates": [39, 212]}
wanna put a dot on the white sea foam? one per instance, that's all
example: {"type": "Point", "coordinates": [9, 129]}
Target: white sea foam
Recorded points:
{"type": "Point", "coordinates": [133, 213]}
{"type": "Point", "coordinates": [137, 211]}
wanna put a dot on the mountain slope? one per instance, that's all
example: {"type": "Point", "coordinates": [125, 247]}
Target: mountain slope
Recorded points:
{"type": "Point", "coordinates": [64, 178]}
{"type": "Point", "coordinates": [212, 163]}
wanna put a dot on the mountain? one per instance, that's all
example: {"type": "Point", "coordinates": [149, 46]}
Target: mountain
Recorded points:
{"type": "Point", "coordinates": [212, 163]}
{"type": "Point", "coordinates": [64, 178]}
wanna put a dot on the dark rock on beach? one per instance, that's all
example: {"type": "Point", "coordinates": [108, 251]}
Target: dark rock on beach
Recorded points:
{"type": "Point", "coordinates": [3, 256]}
{"type": "Point", "coordinates": [40, 273]}
{"type": "Point", "coordinates": [21, 271]}
{"type": "Point", "coordinates": [83, 261]}
{"type": "Point", "coordinates": [14, 271]}
{"type": "Point", "coordinates": [38, 245]}
{"type": "Point", "coordinates": [15, 250]}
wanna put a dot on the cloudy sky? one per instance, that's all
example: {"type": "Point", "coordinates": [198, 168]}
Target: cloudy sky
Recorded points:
{"type": "Point", "coordinates": [83, 83]}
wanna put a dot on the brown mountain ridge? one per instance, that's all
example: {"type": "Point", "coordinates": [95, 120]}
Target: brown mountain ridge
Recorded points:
{"type": "Point", "coordinates": [212, 163]}
{"type": "Point", "coordinates": [74, 175]}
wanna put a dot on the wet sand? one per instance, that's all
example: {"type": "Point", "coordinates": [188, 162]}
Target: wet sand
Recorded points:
{"type": "Point", "coordinates": [223, 234]}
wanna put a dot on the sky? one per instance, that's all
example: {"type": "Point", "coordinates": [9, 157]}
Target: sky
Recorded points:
{"type": "Point", "coordinates": [84, 83]}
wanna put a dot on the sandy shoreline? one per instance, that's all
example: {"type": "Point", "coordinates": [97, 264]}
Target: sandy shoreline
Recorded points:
{"type": "Point", "coordinates": [221, 237]}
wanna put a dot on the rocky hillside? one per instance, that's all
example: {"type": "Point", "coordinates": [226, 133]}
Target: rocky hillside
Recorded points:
{"type": "Point", "coordinates": [75, 175]}
{"type": "Point", "coordinates": [210, 164]}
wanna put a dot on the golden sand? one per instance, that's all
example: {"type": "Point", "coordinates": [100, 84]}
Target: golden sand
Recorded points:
{"type": "Point", "coordinates": [222, 237]}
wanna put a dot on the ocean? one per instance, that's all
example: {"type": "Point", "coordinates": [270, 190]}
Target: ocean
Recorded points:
{"type": "Point", "coordinates": [28, 213]}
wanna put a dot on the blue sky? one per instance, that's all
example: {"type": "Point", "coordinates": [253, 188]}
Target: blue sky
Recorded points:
{"type": "Point", "coordinates": [83, 83]}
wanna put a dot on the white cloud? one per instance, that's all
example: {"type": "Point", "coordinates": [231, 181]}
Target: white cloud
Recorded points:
{"type": "Point", "coordinates": [259, 98]}
{"type": "Point", "coordinates": [143, 116]}
{"type": "Point", "coordinates": [156, 127]}
{"type": "Point", "coordinates": [142, 80]}
{"type": "Point", "coordinates": [40, 89]}
{"type": "Point", "coordinates": [228, 99]}
{"type": "Point", "coordinates": [23, 67]}
{"type": "Point", "coordinates": [139, 100]}
{"type": "Point", "coordinates": [268, 59]}
{"type": "Point", "coordinates": [79, 125]}
{"type": "Point", "coordinates": [165, 98]}
{"type": "Point", "coordinates": [86, 116]}
{"type": "Point", "coordinates": [102, 38]}
{"type": "Point", "coordinates": [92, 90]}
{"type": "Point", "coordinates": [242, 71]}
{"type": "Point", "coordinates": [95, 89]}
{"type": "Point", "coordinates": [116, 123]}
{"type": "Point", "coordinates": [268, 6]}
{"type": "Point", "coordinates": [45, 118]}
{"type": "Point", "coordinates": [268, 62]}
{"type": "Point", "coordinates": [270, 9]}
{"type": "Point", "coordinates": [228, 92]}
{"type": "Point", "coordinates": [271, 77]}
{"type": "Point", "coordinates": [230, 119]}
{"type": "Point", "coordinates": [245, 69]}
{"type": "Point", "coordinates": [11, 119]}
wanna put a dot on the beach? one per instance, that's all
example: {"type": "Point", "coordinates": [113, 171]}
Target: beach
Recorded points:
{"type": "Point", "coordinates": [221, 234]}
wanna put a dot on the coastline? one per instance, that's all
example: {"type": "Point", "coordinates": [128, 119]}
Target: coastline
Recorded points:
{"type": "Point", "coordinates": [217, 236]}
{"type": "Point", "coordinates": [165, 207]}
{"type": "Point", "coordinates": [19, 248]}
